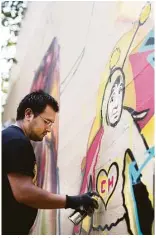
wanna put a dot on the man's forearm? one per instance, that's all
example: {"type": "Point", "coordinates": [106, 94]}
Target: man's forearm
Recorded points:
{"type": "Point", "coordinates": [38, 198]}
{"type": "Point", "coordinates": [25, 192]}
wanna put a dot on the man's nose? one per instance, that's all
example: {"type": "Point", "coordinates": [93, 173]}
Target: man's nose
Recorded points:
{"type": "Point", "coordinates": [48, 129]}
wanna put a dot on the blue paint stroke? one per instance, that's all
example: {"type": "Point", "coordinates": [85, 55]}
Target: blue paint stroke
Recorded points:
{"type": "Point", "coordinates": [134, 175]}
{"type": "Point", "coordinates": [151, 59]}
{"type": "Point", "coordinates": [146, 47]}
{"type": "Point", "coordinates": [135, 206]}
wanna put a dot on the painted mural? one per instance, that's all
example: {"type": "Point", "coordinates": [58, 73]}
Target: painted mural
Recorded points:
{"type": "Point", "coordinates": [47, 78]}
{"type": "Point", "coordinates": [119, 161]}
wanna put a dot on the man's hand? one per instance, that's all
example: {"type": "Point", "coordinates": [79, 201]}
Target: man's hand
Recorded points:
{"type": "Point", "coordinates": [84, 200]}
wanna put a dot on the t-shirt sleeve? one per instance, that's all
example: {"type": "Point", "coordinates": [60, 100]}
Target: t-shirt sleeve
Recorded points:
{"type": "Point", "coordinates": [19, 158]}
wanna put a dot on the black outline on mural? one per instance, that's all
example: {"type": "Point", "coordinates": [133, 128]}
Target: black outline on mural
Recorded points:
{"type": "Point", "coordinates": [109, 80]}
{"type": "Point", "coordinates": [107, 173]}
{"type": "Point", "coordinates": [134, 115]}
{"type": "Point", "coordinates": [100, 228]}
{"type": "Point", "coordinates": [147, 200]}
{"type": "Point", "coordinates": [123, 175]}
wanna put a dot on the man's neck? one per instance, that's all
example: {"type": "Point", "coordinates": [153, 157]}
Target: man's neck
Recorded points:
{"type": "Point", "coordinates": [20, 124]}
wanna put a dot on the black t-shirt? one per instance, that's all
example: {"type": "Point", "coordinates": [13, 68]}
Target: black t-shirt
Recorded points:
{"type": "Point", "coordinates": [17, 156]}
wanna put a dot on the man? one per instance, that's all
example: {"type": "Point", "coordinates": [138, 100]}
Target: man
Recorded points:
{"type": "Point", "coordinates": [20, 197]}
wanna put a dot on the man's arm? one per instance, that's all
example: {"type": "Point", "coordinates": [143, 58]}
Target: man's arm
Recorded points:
{"type": "Point", "coordinates": [27, 193]}
{"type": "Point", "coordinates": [24, 191]}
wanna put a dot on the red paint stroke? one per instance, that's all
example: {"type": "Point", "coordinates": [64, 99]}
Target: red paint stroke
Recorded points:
{"type": "Point", "coordinates": [143, 75]}
{"type": "Point", "coordinates": [110, 183]}
{"type": "Point", "coordinates": [91, 153]}
{"type": "Point", "coordinates": [102, 186]}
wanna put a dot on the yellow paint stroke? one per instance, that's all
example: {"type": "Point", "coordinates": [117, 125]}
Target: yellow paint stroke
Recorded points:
{"type": "Point", "coordinates": [128, 11]}
{"type": "Point", "coordinates": [83, 164]}
{"type": "Point", "coordinates": [130, 95]}
{"type": "Point", "coordinates": [86, 224]}
{"type": "Point", "coordinates": [114, 58]}
{"type": "Point", "coordinates": [145, 13]}
{"type": "Point", "coordinates": [148, 132]}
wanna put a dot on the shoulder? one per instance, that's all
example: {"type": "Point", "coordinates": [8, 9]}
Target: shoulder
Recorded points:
{"type": "Point", "coordinates": [14, 136]}
{"type": "Point", "coordinates": [12, 131]}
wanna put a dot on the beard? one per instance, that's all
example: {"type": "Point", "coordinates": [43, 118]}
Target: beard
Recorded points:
{"type": "Point", "coordinates": [37, 137]}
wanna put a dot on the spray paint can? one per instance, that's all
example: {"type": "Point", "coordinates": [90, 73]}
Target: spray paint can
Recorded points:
{"type": "Point", "coordinates": [79, 214]}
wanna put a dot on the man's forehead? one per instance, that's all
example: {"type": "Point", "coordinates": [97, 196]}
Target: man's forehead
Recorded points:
{"type": "Point", "coordinates": [48, 109]}
{"type": "Point", "coordinates": [49, 112]}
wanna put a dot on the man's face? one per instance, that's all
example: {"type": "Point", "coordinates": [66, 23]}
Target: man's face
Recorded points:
{"type": "Point", "coordinates": [40, 125]}
{"type": "Point", "coordinates": [115, 102]}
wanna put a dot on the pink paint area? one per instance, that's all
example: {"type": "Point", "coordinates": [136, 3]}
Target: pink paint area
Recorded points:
{"type": "Point", "coordinates": [107, 184]}
{"type": "Point", "coordinates": [110, 183]}
{"type": "Point", "coordinates": [143, 75]}
{"type": "Point", "coordinates": [76, 230]}
{"type": "Point", "coordinates": [103, 186]}
{"type": "Point", "coordinates": [91, 154]}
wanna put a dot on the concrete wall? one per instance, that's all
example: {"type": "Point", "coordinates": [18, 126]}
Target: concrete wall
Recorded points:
{"type": "Point", "coordinates": [106, 121]}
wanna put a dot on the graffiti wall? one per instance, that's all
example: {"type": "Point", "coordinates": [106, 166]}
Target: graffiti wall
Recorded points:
{"type": "Point", "coordinates": [119, 161]}
{"type": "Point", "coordinates": [103, 137]}
{"type": "Point", "coordinates": [47, 79]}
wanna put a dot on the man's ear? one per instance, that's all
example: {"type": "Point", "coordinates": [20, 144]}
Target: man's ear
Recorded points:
{"type": "Point", "coordinates": [29, 114]}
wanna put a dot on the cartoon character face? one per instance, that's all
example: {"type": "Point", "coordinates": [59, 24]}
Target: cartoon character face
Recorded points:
{"type": "Point", "coordinates": [115, 102]}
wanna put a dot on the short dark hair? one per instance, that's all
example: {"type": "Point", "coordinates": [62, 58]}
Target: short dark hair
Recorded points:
{"type": "Point", "coordinates": [37, 101]}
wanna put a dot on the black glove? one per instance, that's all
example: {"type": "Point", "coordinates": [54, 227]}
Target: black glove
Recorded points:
{"type": "Point", "coordinates": [84, 200]}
